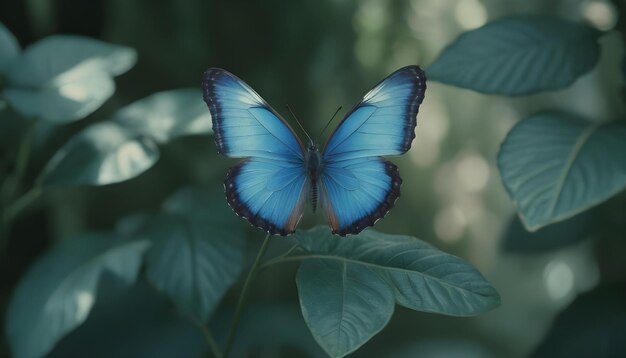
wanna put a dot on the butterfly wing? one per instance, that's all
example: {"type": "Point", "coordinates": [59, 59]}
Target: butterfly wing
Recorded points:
{"type": "Point", "coordinates": [267, 188]}
{"type": "Point", "coordinates": [358, 185]}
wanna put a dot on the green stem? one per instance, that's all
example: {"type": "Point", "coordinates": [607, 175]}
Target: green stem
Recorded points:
{"type": "Point", "coordinates": [9, 210]}
{"type": "Point", "coordinates": [208, 337]}
{"type": "Point", "coordinates": [244, 293]}
{"type": "Point", "coordinates": [283, 259]}
{"type": "Point", "coordinates": [23, 153]}
{"type": "Point", "coordinates": [278, 258]}
{"type": "Point", "coordinates": [16, 208]}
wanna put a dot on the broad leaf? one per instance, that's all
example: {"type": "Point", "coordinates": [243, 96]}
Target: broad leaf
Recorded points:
{"type": "Point", "coordinates": [266, 328]}
{"type": "Point", "coordinates": [139, 323]}
{"type": "Point", "coordinates": [57, 293]}
{"type": "Point", "coordinates": [166, 115]}
{"type": "Point", "coordinates": [9, 48]}
{"type": "Point", "coordinates": [518, 55]}
{"type": "Point", "coordinates": [591, 326]}
{"type": "Point", "coordinates": [552, 237]}
{"type": "Point", "coordinates": [103, 153]}
{"type": "Point", "coordinates": [198, 251]}
{"type": "Point", "coordinates": [64, 78]}
{"type": "Point", "coordinates": [555, 165]}
{"type": "Point", "coordinates": [441, 348]}
{"type": "Point", "coordinates": [348, 287]}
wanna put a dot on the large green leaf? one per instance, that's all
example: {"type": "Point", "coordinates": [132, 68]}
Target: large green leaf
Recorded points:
{"type": "Point", "coordinates": [264, 329]}
{"type": "Point", "coordinates": [64, 78]}
{"type": "Point", "coordinates": [518, 55]}
{"type": "Point", "coordinates": [198, 251]}
{"type": "Point", "coordinates": [348, 286]}
{"type": "Point", "coordinates": [137, 322]}
{"type": "Point", "coordinates": [57, 293]}
{"type": "Point", "coordinates": [9, 48]}
{"type": "Point", "coordinates": [552, 237]}
{"type": "Point", "coordinates": [166, 115]}
{"type": "Point", "coordinates": [593, 325]}
{"type": "Point", "coordinates": [555, 165]}
{"type": "Point", "coordinates": [103, 153]}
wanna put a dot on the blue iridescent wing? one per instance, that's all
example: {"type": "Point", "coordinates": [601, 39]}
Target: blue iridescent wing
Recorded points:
{"type": "Point", "coordinates": [267, 189]}
{"type": "Point", "coordinates": [359, 186]}
{"type": "Point", "coordinates": [244, 125]}
{"type": "Point", "coordinates": [268, 193]}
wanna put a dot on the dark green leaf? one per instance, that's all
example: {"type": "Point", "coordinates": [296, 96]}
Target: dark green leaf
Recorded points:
{"type": "Point", "coordinates": [9, 48]}
{"type": "Point", "coordinates": [592, 326]}
{"type": "Point", "coordinates": [64, 78]}
{"type": "Point", "coordinates": [166, 115]}
{"type": "Point", "coordinates": [266, 329]}
{"type": "Point", "coordinates": [349, 286]}
{"type": "Point", "coordinates": [442, 348]}
{"type": "Point", "coordinates": [555, 165]}
{"type": "Point", "coordinates": [103, 153]}
{"type": "Point", "coordinates": [518, 55]}
{"type": "Point", "coordinates": [57, 293]}
{"type": "Point", "coordinates": [198, 251]}
{"type": "Point", "coordinates": [138, 323]}
{"type": "Point", "coordinates": [552, 237]}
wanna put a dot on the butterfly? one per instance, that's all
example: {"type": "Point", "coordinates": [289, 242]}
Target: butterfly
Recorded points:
{"type": "Point", "coordinates": [356, 185]}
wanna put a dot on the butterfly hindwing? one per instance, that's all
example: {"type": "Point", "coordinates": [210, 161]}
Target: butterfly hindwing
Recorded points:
{"type": "Point", "coordinates": [383, 123]}
{"type": "Point", "coordinates": [268, 193]}
{"type": "Point", "coordinates": [358, 192]}
{"type": "Point", "coordinates": [268, 187]}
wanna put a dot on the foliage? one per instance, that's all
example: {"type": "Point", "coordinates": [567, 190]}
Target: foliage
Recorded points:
{"type": "Point", "coordinates": [348, 288]}
{"type": "Point", "coordinates": [58, 292]}
{"type": "Point", "coordinates": [519, 55]}
{"type": "Point", "coordinates": [553, 164]}
{"type": "Point", "coordinates": [189, 253]}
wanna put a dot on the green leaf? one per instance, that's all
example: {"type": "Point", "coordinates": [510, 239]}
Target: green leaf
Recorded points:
{"type": "Point", "coordinates": [593, 325]}
{"type": "Point", "coordinates": [198, 251]}
{"type": "Point", "coordinates": [57, 293]}
{"type": "Point", "coordinates": [9, 48]}
{"type": "Point", "coordinates": [266, 328]}
{"type": "Point", "coordinates": [518, 55]}
{"type": "Point", "coordinates": [64, 78]}
{"type": "Point", "coordinates": [166, 115]}
{"type": "Point", "coordinates": [103, 153]}
{"type": "Point", "coordinates": [555, 165]}
{"type": "Point", "coordinates": [348, 286]}
{"type": "Point", "coordinates": [137, 322]}
{"type": "Point", "coordinates": [552, 237]}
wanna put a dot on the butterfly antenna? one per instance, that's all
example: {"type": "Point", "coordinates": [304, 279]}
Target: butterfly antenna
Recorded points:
{"type": "Point", "coordinates": [327, 124]}
{"type": "Point", "coordinates": [299, 124]}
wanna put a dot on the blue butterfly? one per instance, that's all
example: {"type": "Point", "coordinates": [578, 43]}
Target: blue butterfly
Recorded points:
{"type": "Point", "coordinates": [356, 184]}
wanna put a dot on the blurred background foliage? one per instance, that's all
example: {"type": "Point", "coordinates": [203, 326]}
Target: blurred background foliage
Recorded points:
{"type": "Point", "coordinates": [316, 56]}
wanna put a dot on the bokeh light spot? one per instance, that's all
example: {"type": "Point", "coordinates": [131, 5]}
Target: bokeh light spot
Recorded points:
{"type": "Point", "coordinates": [559, 279]}
{"type": "Point", "coordinates": [470, 14]}
{"type": "Point", "coordinates": [600, 14]}
{"type": "Point", "coordinates": [450, 224]}
{"type": "Point", "coordinates": [473, 172]}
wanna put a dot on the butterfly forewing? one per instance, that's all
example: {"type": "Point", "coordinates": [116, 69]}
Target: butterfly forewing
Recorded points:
{"type": "Point", "coordinates": [269, 187]}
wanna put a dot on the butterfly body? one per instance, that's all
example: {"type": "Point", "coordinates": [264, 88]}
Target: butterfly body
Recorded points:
{"type": "Point", "coordinates": [314, 172]}
{"type": "Point", "coordinates": [348, 178]}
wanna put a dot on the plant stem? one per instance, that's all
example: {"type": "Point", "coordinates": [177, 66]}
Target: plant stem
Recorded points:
{"type": "Point", "coordinates": [23, 153]}
{"type": "Point", "coordinates": [11, 185]}
{"type": "Point", "coordinates": [21, 203]}
{"type": "Point", "coordinates": [244, 293]}
{"type": "Point", "coordinates": [208, 337]}
{"type": "Point", "coordinates": [284, 258]}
